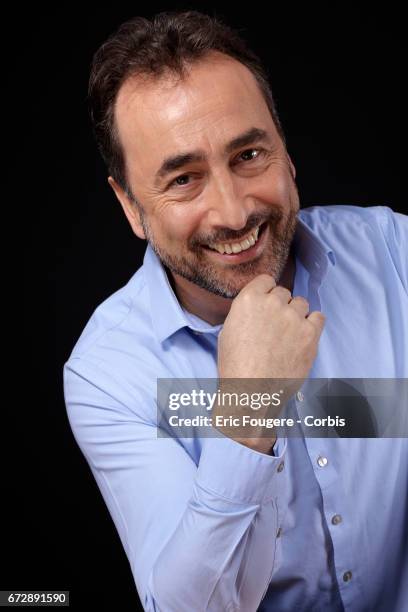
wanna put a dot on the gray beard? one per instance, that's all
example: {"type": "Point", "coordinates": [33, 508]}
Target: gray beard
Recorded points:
{"type": "Point", "coordinates": [204, 274]}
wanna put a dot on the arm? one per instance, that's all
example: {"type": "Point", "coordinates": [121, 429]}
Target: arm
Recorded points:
{"type": "Point", "coordinates": [198, 537]}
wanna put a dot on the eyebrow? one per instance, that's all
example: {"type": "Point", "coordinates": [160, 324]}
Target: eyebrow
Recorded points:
{"type": "Point", "coordinates": [175, 162]}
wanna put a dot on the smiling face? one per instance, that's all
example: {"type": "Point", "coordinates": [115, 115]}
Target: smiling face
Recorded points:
{"type": "Point", "coordinates": [205, 161]}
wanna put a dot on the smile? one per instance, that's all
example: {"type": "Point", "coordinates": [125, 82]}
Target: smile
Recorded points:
{"type": "Point", "coordinates": [246, 249]}
{"type": "Point", "coordinates": [236, 247]}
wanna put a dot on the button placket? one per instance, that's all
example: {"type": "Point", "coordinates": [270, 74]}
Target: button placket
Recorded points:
{"type": "Point", "coordinates": [299, 396]}
{"type": "Point", "coordinates": [347, 576]}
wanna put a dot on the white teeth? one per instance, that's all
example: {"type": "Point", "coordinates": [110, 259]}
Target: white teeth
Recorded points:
{"type": "Point", "coordinates": [238, 246]}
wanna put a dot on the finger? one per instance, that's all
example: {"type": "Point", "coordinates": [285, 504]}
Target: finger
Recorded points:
{"type": "Point", "coordinates": [300, 304]}
{"type": "Point", "coordinates": [317, 319]}
{"type": "Point", "coordinates": [282, 293]}
{"type": "Point", "coordinates": [263, 283]}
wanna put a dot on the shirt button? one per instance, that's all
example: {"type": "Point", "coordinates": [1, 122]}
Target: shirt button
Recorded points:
{"type": "Point", "coordinates": [281, 466]}
{"type": "Point", "coordinates": [336, 519]}
{"type": "Point", "coordinates": [347, 576]}
{"type": "Point", "coordinates": [300, 396]}
{"type": "Point", "coordinates": [279, 532]}
{"type": "Point", "coordinates": [322, 461]}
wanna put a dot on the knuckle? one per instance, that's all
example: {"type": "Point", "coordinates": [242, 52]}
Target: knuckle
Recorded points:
{"type": "Point", "coordinates": [279, 290]}
{"type": "Point", "coordinates": [301, 300]}
{"type": "Point", "coordinates": [274, 301]}
{"type": "Point", "coordinates": [291, 315]}
{"type": "Point", "coordinates": [265, 277]}
{"type": "Point", "coordinates": [263, 280]}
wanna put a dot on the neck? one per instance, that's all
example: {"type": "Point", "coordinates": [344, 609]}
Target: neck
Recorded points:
{"type": "Point", "coordinates": [213, 308]}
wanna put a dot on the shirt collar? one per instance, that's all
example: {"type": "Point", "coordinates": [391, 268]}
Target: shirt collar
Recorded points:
{"type": "Point", "coordinates": [168, 316]}
{"type": "Point", "coordinates": [314, 253]}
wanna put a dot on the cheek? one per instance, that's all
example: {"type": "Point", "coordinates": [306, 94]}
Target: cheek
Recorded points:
{"type": "Point", "coordinates": [274, 186]}
{"type": "Point", "coordinates": [176, 225]}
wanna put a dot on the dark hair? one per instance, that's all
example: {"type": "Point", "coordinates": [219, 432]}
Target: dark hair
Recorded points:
{"type": "Point", "coordinates": [171, 41]}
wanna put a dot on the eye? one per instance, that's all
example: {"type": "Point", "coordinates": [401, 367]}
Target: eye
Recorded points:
{"type": "Point", "coordinates": [259, 151]}
{"type": "Point", "coordinates": [175, 182]}
{"type": "Point", "coordinates": [178, 178]}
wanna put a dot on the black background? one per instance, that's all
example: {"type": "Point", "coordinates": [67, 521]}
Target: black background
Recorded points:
{"type": "Point", "coordinates": [338, 77]}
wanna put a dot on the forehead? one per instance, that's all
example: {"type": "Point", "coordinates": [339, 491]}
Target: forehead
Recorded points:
{"type": "Point", "coordinates": [155, 119]}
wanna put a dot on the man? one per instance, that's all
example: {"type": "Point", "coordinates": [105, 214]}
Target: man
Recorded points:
{"type": "Point", "coordinates": [236, 283]}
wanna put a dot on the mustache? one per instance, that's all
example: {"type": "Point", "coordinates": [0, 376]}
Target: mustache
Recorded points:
{"type": "Point", "coordinates": [273, 217]}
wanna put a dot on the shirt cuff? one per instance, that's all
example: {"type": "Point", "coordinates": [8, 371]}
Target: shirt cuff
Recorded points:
{"type": "Point", "coordinates": [241, 474]}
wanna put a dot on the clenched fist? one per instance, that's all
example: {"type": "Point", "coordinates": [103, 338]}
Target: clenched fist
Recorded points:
{"type": "Point", "coordinates": [270, 335]}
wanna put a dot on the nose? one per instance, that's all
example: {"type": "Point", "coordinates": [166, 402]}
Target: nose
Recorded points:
{"type": "Point", "coordinates": [228, 204]}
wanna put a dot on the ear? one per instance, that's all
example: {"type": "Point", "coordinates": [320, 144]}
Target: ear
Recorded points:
{"type": "Point", "coordinates": [129, 208]}
{"type": "Point", "coordinates": [291, 166]}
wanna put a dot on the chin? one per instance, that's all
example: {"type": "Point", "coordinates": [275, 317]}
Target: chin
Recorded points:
{"type": "Point", "coordinates": [232, 289]}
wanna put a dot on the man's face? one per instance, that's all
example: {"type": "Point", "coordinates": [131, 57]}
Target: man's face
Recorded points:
{"type": "Point", "coordinates": [224, 191]}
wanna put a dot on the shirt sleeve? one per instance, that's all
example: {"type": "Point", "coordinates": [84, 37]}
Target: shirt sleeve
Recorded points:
{"type": "Point", "coordinates": [197, 537]}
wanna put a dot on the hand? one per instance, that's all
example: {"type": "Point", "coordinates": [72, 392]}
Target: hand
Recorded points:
{"type": "Point", "coordinates": [268, 335]}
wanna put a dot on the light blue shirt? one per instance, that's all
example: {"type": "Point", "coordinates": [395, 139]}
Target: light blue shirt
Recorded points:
{"type": "Point", "coordinates": [209, 524]}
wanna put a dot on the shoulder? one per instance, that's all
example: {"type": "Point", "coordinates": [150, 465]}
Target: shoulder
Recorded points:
{"type": "Point", "coordinates": [338, 216]}
{"type": "Point", "coordinates": [113, 316]}
{"type": "Point", "coordinates": [378, 231]}
{"type": "Point", "coordinates": [345, 221]}
{"type": "Point", "coordinates": [117, 347]}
